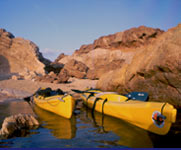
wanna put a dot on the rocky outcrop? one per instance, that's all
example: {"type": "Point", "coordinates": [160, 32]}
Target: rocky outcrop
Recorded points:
{"type": "Point", "coordinates": [134, 37]}
{"type": "Point", "coordinates": [52, 77]}
{"type": "Point", "coordinates": [156, 69]}
{"type": "Point", "coordinates": [71, 69]}
{"type": "Point", "coordinates": [17, 125]}
{"type": "Point", "coordinates": [21, 56]}
{"type": "Point", "coordinates": [62, 55]}
{"type": "Point", "coordinates": [100, 61]}
{"type": "Point", "coordinates": [111, 52]}
{"type": "Point", "coordinates": [76, 69]}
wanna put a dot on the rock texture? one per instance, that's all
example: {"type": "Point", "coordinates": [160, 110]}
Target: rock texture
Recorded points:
{"type": "Point", "coordinates": [101, 60]}
{"type": "Point", "coordinates": [155, 69]}
{"type": "Point", "coordinates": [76, 69]}
{"type": "Point", "coordinates": [111, 52]}
{"type": "Point", "coordinates": [62, 55]}
{"type": "Point", "coordinates": [101, 69]}
{"type": "Point", "coordinates": [21, 56]}
{"type": "Point", "coordinates": [16, 125]}
{"type": "Point", "coordinates": [134, 37]}
{"type": "Point", "coordinates": [61, 77]}
{"type": "Point", "coordinates": [73, 68]}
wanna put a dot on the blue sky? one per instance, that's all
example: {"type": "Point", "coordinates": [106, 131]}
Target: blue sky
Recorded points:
{"type": "Point", "coordinates": [58, 26]}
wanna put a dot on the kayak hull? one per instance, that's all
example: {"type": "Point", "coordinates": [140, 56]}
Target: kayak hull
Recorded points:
{"type": "Point", "coordinates": [62, 105]}
{"type": "Point", "coordinates": [136, 112]}
{"type": "Point", "coordinates": [59, 127]}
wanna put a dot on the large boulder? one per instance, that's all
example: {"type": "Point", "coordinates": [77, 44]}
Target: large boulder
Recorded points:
{"type": "Point", "coordinates": [52, 77]}
{"type": "Point", "coordinates": [155, 69]}
{"type": "Point", "coordinates": [18, 55]}
{"type": "Point", "coordinates": [76, 69]}
{"type": "Point", "coordinates": [17, 125]}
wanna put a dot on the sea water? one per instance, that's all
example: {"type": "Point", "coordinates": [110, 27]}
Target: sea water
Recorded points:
{"type": "Point", "coordinates": [84, 130]}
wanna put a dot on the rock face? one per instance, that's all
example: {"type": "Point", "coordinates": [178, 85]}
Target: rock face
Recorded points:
{"type": "Point", "coordinates": [155, 69]}
{"type": "Point", "coordinates": [76, 69]}
{"type": "Point", "coordinates": [99, 70]}
{"type": "Point", "coordinates": [111, 52]}
{"type": "Point", "coordinates": [21, 56]}
{"type": "Point", "coordinates": [100, 61]}
{"type": "Point", "coordinates": [17, 125]}
{"type": "Point", "coordinates": [134, 37]}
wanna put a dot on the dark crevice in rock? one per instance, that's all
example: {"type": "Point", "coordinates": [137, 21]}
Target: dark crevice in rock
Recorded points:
{"type": "Point", "coordinates": [131, 77]}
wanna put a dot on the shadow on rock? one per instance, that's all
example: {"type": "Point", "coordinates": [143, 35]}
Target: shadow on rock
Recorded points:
{"type": "Point", "coordinates": [4, 68]}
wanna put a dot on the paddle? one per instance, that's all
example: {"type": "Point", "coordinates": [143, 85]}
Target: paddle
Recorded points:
{"type": "Point", "coordinates": [142, 96]}
{"type": "Point", "coordinates": [81, 92]}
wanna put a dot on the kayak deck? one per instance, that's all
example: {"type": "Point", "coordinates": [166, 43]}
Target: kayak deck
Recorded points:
{"type": "Point", "coordinates": [62, 105]}
{"type": "Point", "coordinates": [139, 113]}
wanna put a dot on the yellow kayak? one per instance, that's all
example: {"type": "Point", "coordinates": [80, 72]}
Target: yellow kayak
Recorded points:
{"type": "Point", "coordinates": [59, 104]}
{"type": "Point", "coordinates": [60, 127]}
{"type": "Point", "coordinates": [156, 117]}
{"type": "Point", "coordinates": [130, 136]}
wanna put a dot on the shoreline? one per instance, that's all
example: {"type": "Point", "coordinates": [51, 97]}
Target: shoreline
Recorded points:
{"type": "Point", "coordinates": [18, 89]}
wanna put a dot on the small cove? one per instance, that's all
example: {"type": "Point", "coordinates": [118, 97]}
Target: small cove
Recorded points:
{"type": "Point", "coordinates": [82, 131]}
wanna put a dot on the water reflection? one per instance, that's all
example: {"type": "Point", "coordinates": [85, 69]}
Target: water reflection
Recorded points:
{"type": "Point", "coordinates": [130, 136]}
{"type": "Point", "coordinates": [60, 127]}
{"type": "Point", "coordinates": [20, 106]}
{"type": "Point", "coordinates": [91, 132]}
{"type": "Point", "coordinates": [14, 107]}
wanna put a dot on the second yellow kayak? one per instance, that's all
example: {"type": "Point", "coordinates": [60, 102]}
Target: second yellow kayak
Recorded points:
{"type": "Point", "coordinates": [156, 117]}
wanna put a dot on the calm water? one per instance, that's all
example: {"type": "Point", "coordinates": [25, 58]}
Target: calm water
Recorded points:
{"type": "Point", "coordinates": [83, 130]}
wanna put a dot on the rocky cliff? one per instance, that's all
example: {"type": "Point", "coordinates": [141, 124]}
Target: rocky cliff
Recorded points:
{"type": "Point", "coordinates": [155, 69]}
{"type": "Point", "coordinates": [131, 38]}
{"type": "Point", "coordinates": [20, 56]}
{"type": "Point", "coordinates": [111, 52]}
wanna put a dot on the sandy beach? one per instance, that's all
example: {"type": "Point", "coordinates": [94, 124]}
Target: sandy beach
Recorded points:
{"type": "Point", "coordinates": [21, 88]}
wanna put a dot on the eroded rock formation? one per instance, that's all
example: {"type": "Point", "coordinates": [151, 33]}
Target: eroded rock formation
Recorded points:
{"type": "Point", "coordinates": [111, 52]}
{"type": "Point", "coordinates": [131, 38]}
{"type": "Point", "coordinates": [73, 68]}
{"type": "Point", "coordinates": [20, 56]}
{"type": "Point", "coordinates": [155, 69]}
